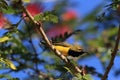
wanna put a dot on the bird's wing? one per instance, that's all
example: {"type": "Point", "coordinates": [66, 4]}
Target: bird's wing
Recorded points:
{"type": "Point", "coordinates": [62, 44]}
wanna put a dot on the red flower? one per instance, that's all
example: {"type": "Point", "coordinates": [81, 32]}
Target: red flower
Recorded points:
{"type": "Point", "coordinates": [3, 21]}
{"type": "Point", "coordinates": [69, 15]}
{"type": "Point", "coordinates": [34, 9]}
{"type": "Point", "coordinates": [58, 30]}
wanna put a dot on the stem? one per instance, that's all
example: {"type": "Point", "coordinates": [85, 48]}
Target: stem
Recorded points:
{"type": "Point", "coordinates": [113, 54]}
{"type": "Point", "coordinates": [35, 52]}
{"type": "Point", "coordinates": [45, 76]}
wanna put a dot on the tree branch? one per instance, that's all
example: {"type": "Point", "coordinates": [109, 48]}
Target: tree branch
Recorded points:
{"type": "Point", "coordinates": [113, 54]}
{"type": "Point", "coordinates": [41, 31]}
{"type": "Point", "coordinates": [39, 27]}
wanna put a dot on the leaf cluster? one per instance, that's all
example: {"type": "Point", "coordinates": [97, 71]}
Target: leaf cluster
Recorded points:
{"type": "Point", "coordinates": [46, 17]}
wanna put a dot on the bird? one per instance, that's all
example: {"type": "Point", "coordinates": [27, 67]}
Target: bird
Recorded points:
{"type": "Point", "coordinates": [67, 49]}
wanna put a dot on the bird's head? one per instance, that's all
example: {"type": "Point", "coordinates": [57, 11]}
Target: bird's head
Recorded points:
{"type": "Point", "coordinates": [76, 50]}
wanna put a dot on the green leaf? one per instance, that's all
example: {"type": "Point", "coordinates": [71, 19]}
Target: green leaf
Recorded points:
{"type": "Point", "coordinates": [51, 18]}
{"type": "Point", "coordinates": [85, 77]}
{"type": "Point", "coordinates": [88, 77]}
{"type": "Point", "coordinates": [8, 63]}
{"type": "Point", "coordinates": [46, 17]}
{"type": "Point", "coordinates": [68, 70]}
{"type": "Point", "coordinates": [111, 31]}
{"type": "Point", "coordinates": [3, 5]}
{"type": "Point", "coordinates": [5, 76]}
{"type": "Point", "coordinates": [4, 39]}
{"type": "Point", "coordinates": [27, 1]}
{"type": "Point", "coordinates": [9, 10]}
{"type": "Point", "coordinates": [13, 79]}
{"type": "Point", "coordinates": [39, 17]}
{"type": "Point", "coordinates": [79, 76]}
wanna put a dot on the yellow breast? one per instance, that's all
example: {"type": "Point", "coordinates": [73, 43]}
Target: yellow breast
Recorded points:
{"type": "Point", "coordinates": [62, 49]}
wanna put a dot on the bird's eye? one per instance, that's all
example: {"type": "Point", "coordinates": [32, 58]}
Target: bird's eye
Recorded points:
{"type": "Point", "coordinates": [80, 49]}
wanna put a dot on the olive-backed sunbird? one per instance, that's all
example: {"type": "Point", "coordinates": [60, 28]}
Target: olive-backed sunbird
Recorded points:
{"type": "Point", "coordinates": [68, 49]}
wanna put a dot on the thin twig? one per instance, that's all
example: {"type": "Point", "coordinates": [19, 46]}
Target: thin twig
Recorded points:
{"type": "Point", "coordinates": [45, 76]}
{"type": "Point", "coordinates": [113, 3]}
{"type": "Point", "coordinates": [112, 57]}
{"type": "Point", "coordinates": [41, 31]}
{"type": "Point", "coordinates": [34, 49]}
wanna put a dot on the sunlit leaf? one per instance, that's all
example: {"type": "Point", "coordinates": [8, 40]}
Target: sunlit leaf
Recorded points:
{"type": "Point", "coordinates": [27, 1]}
{"type": "Point", "coordinates": [51, 18]}
{"type": "Point", "coordinates": [3, 39]}
{"type": "Point", "coordinates": [46, 17]}
{"type": "Point", "coordinates": [79, 76]}
{"type": "Point", "coordinates": [88, 77]}
{"type": "Point", "coordinates": [8, 63]}
{"type": "Point", "coordinates": [68, 70]}
{"type": "Point", "coordinates": [85, 77]}
{"type": "Point", "coordinates": [39, 17]}
{"type": "Point", "coordinates": [9, 10]}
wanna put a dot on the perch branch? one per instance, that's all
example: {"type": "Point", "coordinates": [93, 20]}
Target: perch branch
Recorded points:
{"type": "Point", "coordinates": [113, 54]}
{"type": "Point", "coordinates": [41, 31]}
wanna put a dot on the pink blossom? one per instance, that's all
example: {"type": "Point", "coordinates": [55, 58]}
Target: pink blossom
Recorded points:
{"type": "Point", "coordinates": [58, 30]}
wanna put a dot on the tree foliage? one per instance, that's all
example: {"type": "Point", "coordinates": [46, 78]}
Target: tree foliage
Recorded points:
{"type": "Point", "coordinates": [20, 43]}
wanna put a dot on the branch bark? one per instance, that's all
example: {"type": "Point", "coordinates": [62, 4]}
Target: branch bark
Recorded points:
{"type": "Point", "coordinates": [39, 27]}
{"type": "Point", "coordinates": [113, 54]}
